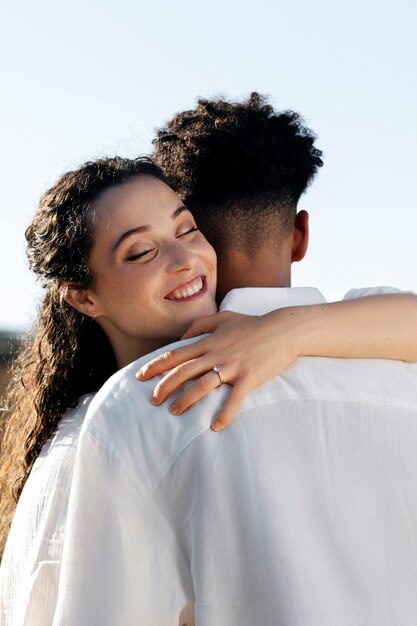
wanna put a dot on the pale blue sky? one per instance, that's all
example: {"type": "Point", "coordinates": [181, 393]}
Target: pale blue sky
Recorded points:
{"type": "Point", "coordinates": [83, 79]}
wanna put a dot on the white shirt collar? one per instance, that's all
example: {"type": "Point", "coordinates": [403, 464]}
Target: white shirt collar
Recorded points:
{"type": "Point", "coordinates": [260, 300]}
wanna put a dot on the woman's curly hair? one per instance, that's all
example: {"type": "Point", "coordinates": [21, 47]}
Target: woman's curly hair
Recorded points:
{"type": "Point", "coordinates": [68, 354]}
{"type": "Point", "coordinates": [237, 156]}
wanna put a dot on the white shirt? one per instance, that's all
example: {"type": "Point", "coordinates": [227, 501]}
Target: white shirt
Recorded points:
{"type": "Point", "coordinates": [302, 513]}
{"type": "Point", "coordinates": [30, 566]}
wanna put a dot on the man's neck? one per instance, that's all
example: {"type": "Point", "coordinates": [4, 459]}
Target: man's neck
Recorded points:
{"type": "Point", "coordinates": [264, 269]}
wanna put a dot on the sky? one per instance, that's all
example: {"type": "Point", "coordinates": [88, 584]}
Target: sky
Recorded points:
{"type": "Point", "coordinates": [84, 79]}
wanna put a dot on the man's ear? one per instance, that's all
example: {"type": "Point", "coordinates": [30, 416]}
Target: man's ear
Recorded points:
{"type": "Point", "coordinates": [300, 237]}
{"type": "Point", "coordinates": [82, 300]}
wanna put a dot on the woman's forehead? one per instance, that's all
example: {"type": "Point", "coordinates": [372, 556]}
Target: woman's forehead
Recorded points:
{"type": "Point", "coordinates": [142, 205]}
{"type": "Point", "coordinates": [142, 198]}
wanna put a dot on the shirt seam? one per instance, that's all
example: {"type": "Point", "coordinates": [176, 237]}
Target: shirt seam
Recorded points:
{"type": "Point", "coordinates": [118, 457]}
{"type": "Point", "coordinates": [275, 402]}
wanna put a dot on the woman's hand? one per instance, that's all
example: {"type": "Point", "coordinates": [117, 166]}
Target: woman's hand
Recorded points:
{"type": "Point", "coordinates": [252, 350]}
{"type": "Point", "coordinates": [245, 348]}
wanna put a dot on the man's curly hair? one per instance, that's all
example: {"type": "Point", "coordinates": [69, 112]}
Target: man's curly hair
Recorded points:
{"type": "Point", "coordinates": [241, 167]}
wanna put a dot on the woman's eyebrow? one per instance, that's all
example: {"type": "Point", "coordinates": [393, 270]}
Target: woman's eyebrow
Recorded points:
{"type": "Point", "coordinates": [178, 211]}
{"type": "Point", "coordinates": [129, 233]}
{"type": "Point", "coordinates": [144, 229]}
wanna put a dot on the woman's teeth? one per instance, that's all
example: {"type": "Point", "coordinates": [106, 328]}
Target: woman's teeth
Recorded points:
{"type": "Point", "coordinates": [188, 291]}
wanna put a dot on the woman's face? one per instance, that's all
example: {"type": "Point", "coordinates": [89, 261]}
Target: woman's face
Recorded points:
{"type": "Point", "coordinates": [154, 271]}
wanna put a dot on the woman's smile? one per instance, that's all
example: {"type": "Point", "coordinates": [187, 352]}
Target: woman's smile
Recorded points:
{"type": "Point", "coordinates": [190, 290]}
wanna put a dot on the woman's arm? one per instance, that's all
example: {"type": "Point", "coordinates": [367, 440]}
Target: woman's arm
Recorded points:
{"type": "Point", "coordinates": [252, 350]}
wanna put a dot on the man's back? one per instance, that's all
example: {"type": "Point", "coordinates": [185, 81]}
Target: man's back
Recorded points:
{"type": "Point", "coordinates": [302, 513]}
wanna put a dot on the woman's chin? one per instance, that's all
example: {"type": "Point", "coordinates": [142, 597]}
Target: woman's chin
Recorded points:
{"type": "Point", "coordinates": [193, 307]}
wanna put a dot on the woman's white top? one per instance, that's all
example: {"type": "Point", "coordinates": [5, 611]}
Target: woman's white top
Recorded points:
{"type": "Point", "coordinates": [30, 567]}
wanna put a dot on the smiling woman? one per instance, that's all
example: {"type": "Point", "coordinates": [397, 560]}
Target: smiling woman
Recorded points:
{"type": "Point", "coordinates": [154, 272]}
{"type": "Point", "coordinates": [125, 269]}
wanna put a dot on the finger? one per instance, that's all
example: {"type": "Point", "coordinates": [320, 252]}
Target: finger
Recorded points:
{"type": "Point", "coordinates": [232, 405]}
{"type": "Point", "coordinates": [177, 377]}
{"type": "Point", "coordinates": [196, 392]}
{"type": "Point", "coordinates": [171, 359]}
{"type": "Point", "coordinates": [203, 325]}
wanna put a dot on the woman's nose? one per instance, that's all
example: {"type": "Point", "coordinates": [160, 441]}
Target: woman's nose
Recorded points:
{"type": "Point", "coordinates": [179, 257]}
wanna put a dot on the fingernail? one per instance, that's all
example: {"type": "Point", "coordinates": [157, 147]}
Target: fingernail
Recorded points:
{"type": "Point", "coordinates": [154, 400]}
{"type": "Point", "coordinates": [216, 425]}
{"type": "Point", "coordinates": [174, 409]}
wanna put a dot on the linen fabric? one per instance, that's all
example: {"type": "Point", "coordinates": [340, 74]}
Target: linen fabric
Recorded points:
{"type": "Point", "coordinates": [302, 513]}
{"type": "Point", "coordinates": [30, 567]}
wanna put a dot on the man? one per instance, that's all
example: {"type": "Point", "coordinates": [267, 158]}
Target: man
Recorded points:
{"type": "Point", "coordinates": [303, 512]}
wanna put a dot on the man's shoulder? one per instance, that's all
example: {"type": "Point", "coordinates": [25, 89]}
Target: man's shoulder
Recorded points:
{"type": "Point", "coordinates": [363, 292]}
{"type": "Point", "coordinates": [358, 380]}
{"type": "Point", "coordinates": [123, 385]}
{"type": "Point", "coordinates": [145, 440]}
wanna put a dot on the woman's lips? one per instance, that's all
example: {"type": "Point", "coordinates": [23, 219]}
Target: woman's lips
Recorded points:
{"type": "Point", "coordinates": [191, 290]}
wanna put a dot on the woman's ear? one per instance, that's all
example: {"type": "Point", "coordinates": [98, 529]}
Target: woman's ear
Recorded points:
{"type": "Point", "coordinates": [83, 300]}
{"type": "Point", "coordinates": [300, 237]}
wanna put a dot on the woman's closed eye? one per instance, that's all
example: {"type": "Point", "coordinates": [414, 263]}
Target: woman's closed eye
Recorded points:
{"type": "Point", "coordinates": [189, 231]}
{"type": "Point", "coordinates": [145, 254]}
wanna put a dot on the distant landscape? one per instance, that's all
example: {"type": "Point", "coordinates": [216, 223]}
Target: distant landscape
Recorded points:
{"type": "Point", "coordinates": [9, 343]}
